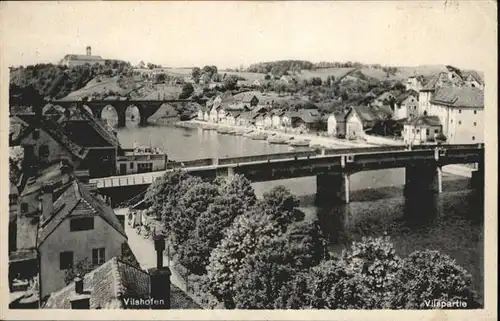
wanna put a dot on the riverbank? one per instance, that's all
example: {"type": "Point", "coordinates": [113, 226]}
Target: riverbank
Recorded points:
{"type": "Point", "coordinates": [326, 142]}
{"type": "Point", "coordinates": [314, 140]}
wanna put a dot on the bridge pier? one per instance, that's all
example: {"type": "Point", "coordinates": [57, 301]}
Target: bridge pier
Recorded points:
{"type": "Point", "coordinates": [423, 178]}
{"type": "Point", "coordinates": [332, 186]}
{"type": "Point", "coordinates": [477, 178]}
{"type": "Point", "coordinates": [122, 120]}
{"type": "Point", "coordinates": [225, 172]}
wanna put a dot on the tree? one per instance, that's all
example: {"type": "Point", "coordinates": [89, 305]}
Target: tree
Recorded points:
{"type": "Point", "coordinates": [187, 91]}
{"type": "Point", "coordinates": [429, 275]}
{"type": "Point", "coordinates": [227, 258]}
{"type": "Point", "coordinates": [316, 81]}
{"type": "Point", "coordinates": [230, 82]}
{"type": "Point", "coordinates": [191, 205]}
{"type": "Point", "coordinates": [165, 192]}
{"type": "Point", "coordinates": [195, 74]}
{"type": "Point", "coordinates": [282, 205]}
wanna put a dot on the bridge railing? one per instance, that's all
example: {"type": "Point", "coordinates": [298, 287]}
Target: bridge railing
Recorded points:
{"type": "Point", "coordinates": [357, 150]}
{"type": "Point", "coordinates": [260, 158]}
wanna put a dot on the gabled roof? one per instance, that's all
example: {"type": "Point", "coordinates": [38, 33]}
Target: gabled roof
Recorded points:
{"type": "Point", "coordinates": [459, 97]}
{"type": "Point", "coordinates": [113, 281]}
{"type": "Point", "coordinates": [56, 131]}
{"type": "Point", "coordinates": [385, 96]}
{"type": "Point", "coordinates": [367, 114]}
{"type": "Point", "coordinates": [246, 97]}
{"type": "Point", "coordinates": [424, 121]}
{"type": "Point", "coordinates": [77, 200]}
{"type": "Point", "coordinates": [474, 74]}
{"type": "Point", "coordinates": [53, 172]}
{"type": "Point", "coordinates": [307, 115]}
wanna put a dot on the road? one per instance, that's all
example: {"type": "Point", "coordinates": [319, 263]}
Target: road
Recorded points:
{"type": "Point", "coordinates": [145, 253]}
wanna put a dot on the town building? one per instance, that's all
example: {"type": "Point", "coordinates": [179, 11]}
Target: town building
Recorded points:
{"type": "Point", "coordinates": [232, 117]}
{"type": "Point", "coordinates": [384, 99]}
{"type": "Point", "coordinates": [120, 285]}
{"type": "Point", "coordinates": [460, 111]}
{"type": "Point", "coordinates": [360, 119]}
{"type": "Point", "coordinates": [412, 83]}
{"type": "Point", "coordinates": [245, 100]}
{"type": "Point", "coordinates": [140, 159]}
{"type": "Point", "coordinates": [277, 120]}
{"type": "Point", "coordinates": [306, 120]}
{"type": "Point", "coordinates": [72, 60]}
{"type": "Point", "coordinates": [406, 106]}
{"type": "Point", "coordinates": [72, 134]}
{"type": "Point", "coordinates": [421, 130]}
{"type": "Point", "coordinates": [336, 125]}
{"type": "Point", "coordinates": [214, 113]}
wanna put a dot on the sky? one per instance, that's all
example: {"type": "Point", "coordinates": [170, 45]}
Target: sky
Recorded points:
{"type": "Point", "coordinates": [232, 34]}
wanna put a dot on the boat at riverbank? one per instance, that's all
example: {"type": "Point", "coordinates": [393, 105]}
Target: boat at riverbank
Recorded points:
{"type": "Point", "coordinates": [222, 130]}
{"type": "Point", "coordinates": [258, 136]}
{"type": "Point", "coordinates": [277, 140]}
{"type": "Point", "coordinates": [298, 143]}
{"type": "Point", "coordinates": [248, 134]}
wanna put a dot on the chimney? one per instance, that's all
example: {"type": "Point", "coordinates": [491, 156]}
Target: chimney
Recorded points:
{"type": "Point", "coordinates": [160, 278]}
{"type": "Point", "coordinates": [89, 51]}
{"type": "Point", "coordinates": [47, 199]}
{"type": "Point", "coordinates": [80, 300]}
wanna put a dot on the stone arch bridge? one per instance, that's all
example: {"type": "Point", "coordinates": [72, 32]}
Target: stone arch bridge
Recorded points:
{"type": "Point", "coordinates": [146, 107]}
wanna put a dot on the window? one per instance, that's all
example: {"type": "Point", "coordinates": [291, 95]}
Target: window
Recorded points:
{"type": "Point", "coordinates": [36, 134]}
{"type": "Point", "coordinates": [451, 121]}
{"type": "Point", "coordinates": [65, 260]}
{"type": "Point", "coordinates": [475, 112]}
{"type": "Point", "coordinates": [460, 111]}
{"type": "Point", "coordinates": [475, 124]}
{"type": "Point", "coordinates": [436, 131]}
{"type": "Point", "coordinates": [12, 198]}
{"type": "Point", "coordinates": [24, 207]}
{"type": "Point", "coordinates": [43, 151]}
{"type": "Point", "coordinates": [460, 122]}
{"type": "Point", "coordinates": [81, 224]}
{"type": "Point", "coordinates": [131, 165]}
{"type": "Point", "coordinates": [473, 137]}
{"type": "Point", "coordinates": [418, 131]}
{"type": "Point", "coordinates": [427, 131]}
{"type": "Point", "coordinates": [98, 256]}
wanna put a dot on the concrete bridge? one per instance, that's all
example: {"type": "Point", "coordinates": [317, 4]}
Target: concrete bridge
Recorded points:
{"type": "Point", "coordinates": [332, 168]}
{"type": "Point", "coordinates": [146, 107]}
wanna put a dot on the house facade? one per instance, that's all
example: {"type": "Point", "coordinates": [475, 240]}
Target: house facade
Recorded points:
{"type": "Point", "coordinates": [76, 227]}
{"type": "Point", "coordinates": [412, 83]}
{"type": "Point", "coordinates": [214, 114]}
{"type": "Point", "coordinates": [461, 112]}
{"type": "Point", "coordinates": [421, 130]}
{"type": "Point", "coordinates": [406, 107]}
{"type": "Point", "coordinates": [359, 119]}
{"type": "Point", "coordinates": [336, 125]}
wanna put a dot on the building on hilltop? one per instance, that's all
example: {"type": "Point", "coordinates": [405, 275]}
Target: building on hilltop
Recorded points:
{"type": "Point", "coordinates": [72, 60]}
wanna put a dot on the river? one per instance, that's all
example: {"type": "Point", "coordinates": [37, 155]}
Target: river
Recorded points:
{"type": "Point", "coordinates": [451, 222]}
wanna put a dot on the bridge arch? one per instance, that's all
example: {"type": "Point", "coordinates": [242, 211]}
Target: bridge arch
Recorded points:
{"type": "Point", "coordinates": [133, 113]}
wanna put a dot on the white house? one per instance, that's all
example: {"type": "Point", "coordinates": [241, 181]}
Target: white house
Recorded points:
{"type": "Point", "coordinates": [76, 227]}
{"type": "Point", "coordinates": [214, 114]}
{"type": "Point", "coordinates": [421, 130]}
{"type": "Point", "coordinates": [460, 111]}
{"type": "Point", "coordinates": [412, 83]}
{"type": "Point", "coordinates": [336, 124]}
{"type": "Point", "coordinates": [406, 107]}
{"type": "Point", "coordinates": [268, 120]}
{"type": "Point", "coordinates": [276, 119]}
{"type": "Point", "coordinates": [361, 118]}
